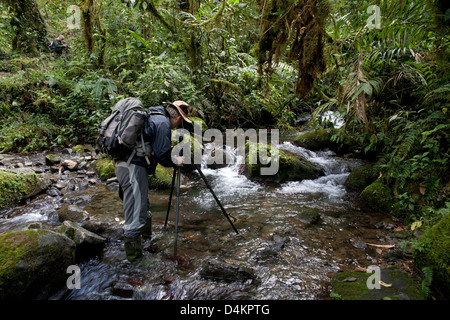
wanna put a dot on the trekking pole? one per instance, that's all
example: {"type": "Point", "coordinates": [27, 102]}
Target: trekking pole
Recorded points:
{"type": "Point", "coordinates": [170, 197]}
{"type": "Point", "coordinates": [177, 211]}
{"type": "Point", "coordinates": [215, 197]}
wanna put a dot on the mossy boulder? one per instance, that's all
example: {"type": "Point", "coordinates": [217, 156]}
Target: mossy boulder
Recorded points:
{"type": "Point", "coordinates": [14, 187]}
{"type": "Point", "coordinates": [321, 139]}
{"type": "Point", "coordinates": [433, 250]}
{"type": "Point", "coordinates": [33, 263]}
{"type": "Point", "coordinates": [361, 177]}
{"type": "Point", "coordinates": [105, 168]}
{"type": "Point", "coordinates": [161, 179]}
{"type": "Point", "coordinates": [353, 285]}
{"type": "Point", "coordinates": [291, 167]}
{"type": "Point", "coordinates": [378, 196]}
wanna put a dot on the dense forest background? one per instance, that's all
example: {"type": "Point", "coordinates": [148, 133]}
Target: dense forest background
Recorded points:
{"type": "Point", "coordinates": [381, 65]}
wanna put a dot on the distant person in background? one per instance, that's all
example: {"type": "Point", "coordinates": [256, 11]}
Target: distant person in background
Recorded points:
{"type": "Point", "coordinates": [57, 45]}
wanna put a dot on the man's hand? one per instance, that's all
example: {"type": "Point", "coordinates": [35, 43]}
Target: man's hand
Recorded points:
{"type": "Point", "coordinates": [179, 161]}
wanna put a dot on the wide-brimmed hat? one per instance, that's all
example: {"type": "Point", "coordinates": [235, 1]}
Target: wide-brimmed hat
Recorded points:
{"type": "Point", "coordinates": [183, 108]}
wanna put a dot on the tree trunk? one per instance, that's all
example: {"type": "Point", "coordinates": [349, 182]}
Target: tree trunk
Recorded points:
{"type": "Point", "coordinates": [87, 7]}
{"type": "Point", "coordinates": [30, 32]}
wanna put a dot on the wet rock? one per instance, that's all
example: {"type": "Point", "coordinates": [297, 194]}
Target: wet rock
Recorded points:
{"type": "Point", "coordinates": [69, 164]}
{"type": "Point", "coordinates": [320, 139]}
{"type": "Point", "coordinates": [71, 213]}
{"type": "Point", "coordinates": [291, 167]}
{"type": "Point", "coordinates": [15, 188]}
{"type": "Point", "coordinates": [34, 263]}
{"type": "Point", "coordinates": [309, 216]}
{"type": "Point", "coordinates": [360, 178]}
{"type": "Point", "coordinates": [221, 271]}
{"type": "Point", "coordinates": [88, 244]}
{"type": "Point", "coordinates": [52, 159]}
{"type": "Point", "coordinates": [378, 197]}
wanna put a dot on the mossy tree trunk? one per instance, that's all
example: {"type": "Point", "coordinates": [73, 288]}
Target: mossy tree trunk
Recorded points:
{"type": "Point", "coordinates": [30, 32]}
{"type": "Point", "coordinates": [87, 7]}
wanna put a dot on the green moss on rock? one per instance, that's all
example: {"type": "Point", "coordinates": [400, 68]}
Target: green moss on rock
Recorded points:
{"type": "Point", "coordinates": [361, 177]}
{"type": "Point", "coordinates": [321, 139]}
{"type": "Point", "coordinates": [433, 250]}
{"type": "Point", "coordinates": [33, 263]}
{"type": "Point", "coordinates": [291, 167]}
{"type": "Point", "coordinates": [378, 196]}
{"type": "Point", "coordinates": [162, 179]}
{"type": "Point", "coordinates": [14, 188]}
{"type": "Point", "coordinates": [105, 168]}
{"type": "Point", "coordinates": [352, 285]}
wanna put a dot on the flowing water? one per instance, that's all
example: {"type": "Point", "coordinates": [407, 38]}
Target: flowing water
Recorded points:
{"type": "Point", "coordinates": [292, 236]}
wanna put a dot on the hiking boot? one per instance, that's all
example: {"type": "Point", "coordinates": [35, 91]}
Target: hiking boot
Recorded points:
{"type": "Point", "coordinates": [133, 249]}
{"type": "Point", "coordinates": [146, 230]}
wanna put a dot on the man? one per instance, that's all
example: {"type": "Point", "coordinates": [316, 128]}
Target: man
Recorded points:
{"type": "Point", "coordinates": [57, 46]}
{"type": "Point", "coordinates": [132, 175]}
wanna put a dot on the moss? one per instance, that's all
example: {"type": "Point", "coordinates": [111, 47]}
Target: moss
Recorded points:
{"type": "Point", "coordinates": [33, 262]}
{"type": "Point", "coordinates": [161, 179]}
{"type": "Point", "coordinates": [352, 285]}
{"type": "Point", "coordinates": [105, 168]}
{"type": "Point", "coordinates": [16, 187]}
{"type": "Point", "coordinates": [291, 167]}
{"type": "Point", "coordinates": [432, 250]}
{"type": "Point", "coordinates": [378, 196]}
{"type": "Point", "coordinates": [321, 139]}
{"type": "Point", "coordinates": [361, 177]}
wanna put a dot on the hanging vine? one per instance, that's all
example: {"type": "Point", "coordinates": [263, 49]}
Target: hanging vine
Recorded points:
{"type": "Point", "coordinates": [295, 30]}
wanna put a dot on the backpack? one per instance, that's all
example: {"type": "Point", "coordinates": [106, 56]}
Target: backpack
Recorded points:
{"type": "Point", "coordinates": [120, 135]}
{"type": "Point", "coordinates": [51, 46]}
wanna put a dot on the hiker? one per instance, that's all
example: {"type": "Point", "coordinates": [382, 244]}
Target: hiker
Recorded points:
{"type": "Point", "coordinates": [57, 46]}
{"type": "Point", "coordinates": [132, 173]}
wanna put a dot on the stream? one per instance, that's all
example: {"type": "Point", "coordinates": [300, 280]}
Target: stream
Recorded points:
{"type": "Point", "coordinates": [292, 236]}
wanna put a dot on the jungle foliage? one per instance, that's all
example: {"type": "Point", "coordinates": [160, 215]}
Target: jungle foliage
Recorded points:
{"type": "Point", "coordinates": [380, 64]}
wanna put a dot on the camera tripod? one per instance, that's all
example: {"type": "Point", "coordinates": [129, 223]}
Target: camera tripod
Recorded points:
{"type": "Point", "coordinates": [177, 176]}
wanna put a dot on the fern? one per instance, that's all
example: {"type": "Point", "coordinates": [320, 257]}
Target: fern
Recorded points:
{"type": "Point", "coordinates": [426, 282]}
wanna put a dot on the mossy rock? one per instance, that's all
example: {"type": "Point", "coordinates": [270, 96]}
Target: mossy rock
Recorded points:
{"type": "Point", "coordinates": [433, 250]}
{"type": "Point", "coordinates": [352, 285]}
{"type": "Point", "coordinates": [361, 177]}
{"type": "Point", "coordinates": [14, 188]}
{"type": "Point", "coordinates": [291, 167]}
{"type": "Point", "coordinates": [320, 139]}
{"type": "Point", "coordinates": [105, 168]}
{"type": "Point", "coordinates": [34, 263]}
{"type": "Point", "coordinates": [161, 179]}
{"type": "Point", "coordinates": [378, 196]}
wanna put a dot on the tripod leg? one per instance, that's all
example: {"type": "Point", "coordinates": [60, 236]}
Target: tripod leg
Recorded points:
{"type": "Point", "coordinates": [170, 197]}
{"type": "Point", "coordinates": [177, 211]}
{"type": "Point", "coordinates": [215, 197]}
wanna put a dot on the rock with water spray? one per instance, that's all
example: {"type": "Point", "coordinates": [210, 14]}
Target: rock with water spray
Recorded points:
{"type": "Point", "coordinates": [222, 271]}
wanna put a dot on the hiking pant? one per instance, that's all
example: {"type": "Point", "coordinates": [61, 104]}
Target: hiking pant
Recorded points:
{"type": "Point", "coordinates": [134, 189]}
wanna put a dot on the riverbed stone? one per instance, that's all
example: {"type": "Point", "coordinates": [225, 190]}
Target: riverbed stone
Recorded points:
{"type": "Point", "coordinates": [397, 285]}
{"type": "Point", "coordinates": [15, 188]}
{"type": "Point", "coordinates": [361, 177]}
{"type": "Point", "coordinates": [34, 263]}
{"type": "Point", "coordinates": [222, 271]}
{"type": "Point", "coordinates": [432, 250]}
{"type": "Point", "coordinates": [161, 179]}
{"type": "Point", "coordinates": [88, 244]}
{"type": "Point", "coordinates": [72, 213]}
{"type": "Point", "coordinates": [104, 168]}
{"type": "Point", "coordinates": [378, 196]}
